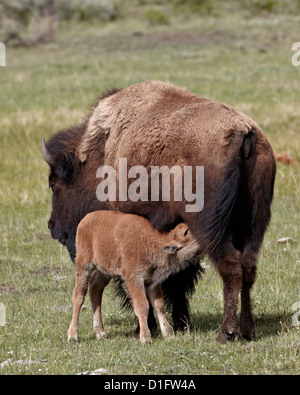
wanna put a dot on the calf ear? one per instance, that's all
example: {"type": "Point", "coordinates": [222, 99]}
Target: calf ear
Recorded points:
{"type": "Point", "coordinates": [170, 249]}
{"type": "Point", "coordinates": [66, 166]}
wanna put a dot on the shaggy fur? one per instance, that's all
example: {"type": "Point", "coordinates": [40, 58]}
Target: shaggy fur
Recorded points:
{"type": "Point", "coordinates": [156, 123]}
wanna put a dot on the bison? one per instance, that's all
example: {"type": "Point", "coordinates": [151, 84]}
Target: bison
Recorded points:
{"type": "Point", "coordinates": [155, 123]}
{"type": "Point", "coordinates": [126, 246]}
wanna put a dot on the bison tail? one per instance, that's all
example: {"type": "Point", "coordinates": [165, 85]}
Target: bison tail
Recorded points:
{"type": "Point", "coordinates": [252, 211]}
{"type": "Point", "coordinates": [218, 215]}
{"type": "Point", "coordinates": [240, 210]}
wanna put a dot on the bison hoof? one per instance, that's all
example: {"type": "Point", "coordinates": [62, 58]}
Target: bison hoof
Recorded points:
{"type": "Point", "coordinates": [183, 325]}
{"type": "Point", "coordinates": [247, 333]}
{"type": "Point", "coordinates": [248, 337]}
{"type": "Point", "coordinates": [225, 337]}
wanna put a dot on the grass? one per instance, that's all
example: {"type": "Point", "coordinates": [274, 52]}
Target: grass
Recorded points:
{"type": "Point", "coordinates": [243, 61]}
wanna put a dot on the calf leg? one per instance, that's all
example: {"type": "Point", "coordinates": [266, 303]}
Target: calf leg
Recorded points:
{"type": "Point", "coordinates": [97, 284]}
{"type": "Point", "coordinates": [229, 266]}
{"type": "Point", "coordinates": [80, 290]}
{"type": "Point", "coordinates": [152, 325]}
{"type": "Point", "coordinates": [136, 290]}
{"type": "Point", "coordinates": [157, 301]}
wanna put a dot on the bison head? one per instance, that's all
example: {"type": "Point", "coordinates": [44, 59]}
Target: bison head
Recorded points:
{"type": "Point", "coordinates": [71, 191]}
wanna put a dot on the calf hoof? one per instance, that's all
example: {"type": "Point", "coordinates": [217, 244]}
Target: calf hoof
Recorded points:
{"type": "Point", "coordinates": [100, 335]}
{"type": "Point", "coordinates": [152, 327]}
{"type": "Point", "coordinates": [146, 341]}
{"type": "Point", "coordinates": [72, 338]}
{"type": "Point", "coordinates": [73, 334]}
{"type": "Point", "coordinates": [168, 332]}
{"type": "Point", "coordinates": [145, 338]}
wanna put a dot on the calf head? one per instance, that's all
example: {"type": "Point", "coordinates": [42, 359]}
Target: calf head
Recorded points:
{"type": "Point", "coordinates": [182, 242]}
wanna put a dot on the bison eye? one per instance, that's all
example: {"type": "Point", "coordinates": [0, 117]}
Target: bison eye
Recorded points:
{"type": "Point", "coordinates": [186, 232]}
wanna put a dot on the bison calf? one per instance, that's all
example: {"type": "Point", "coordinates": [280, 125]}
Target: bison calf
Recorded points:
{"type": "Point", "coordinates": [126, 246]}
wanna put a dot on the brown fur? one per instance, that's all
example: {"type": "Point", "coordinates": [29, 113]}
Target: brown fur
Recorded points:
{"type": "Point", "coordinates": [154, 124]}
{"type": "Point", "coordinates": [127, 246]}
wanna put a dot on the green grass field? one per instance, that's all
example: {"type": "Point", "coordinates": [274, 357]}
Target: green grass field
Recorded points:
{"type": "Point", "coordinates": [236, 58]}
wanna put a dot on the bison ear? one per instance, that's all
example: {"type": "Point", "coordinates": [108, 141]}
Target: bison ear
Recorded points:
{"type": "Point", "coordinates": [170, 249]}
{"type": "Point", "coordinates": [66, 166]}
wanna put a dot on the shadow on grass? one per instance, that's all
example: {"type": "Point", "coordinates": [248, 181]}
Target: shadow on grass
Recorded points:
{"type": "Point", "coordinates": [267, 325]}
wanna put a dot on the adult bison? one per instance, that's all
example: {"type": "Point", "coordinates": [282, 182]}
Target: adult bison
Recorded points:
{"type": "Point", "coordinates": [158, 124]}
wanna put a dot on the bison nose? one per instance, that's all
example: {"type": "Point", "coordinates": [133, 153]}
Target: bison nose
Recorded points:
{"type": "Point", "coordinates": [50, 224]}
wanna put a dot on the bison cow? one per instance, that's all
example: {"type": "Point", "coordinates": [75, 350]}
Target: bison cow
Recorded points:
{"type": "Point", "coordinates": [155, 123]}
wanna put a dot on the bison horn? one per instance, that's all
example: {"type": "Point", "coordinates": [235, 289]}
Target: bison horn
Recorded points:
{"type": "Point", "coordinates": [46, 154]}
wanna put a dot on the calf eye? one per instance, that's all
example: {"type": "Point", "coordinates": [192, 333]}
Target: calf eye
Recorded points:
{"type": "Point", "coordinates": [186, 232]}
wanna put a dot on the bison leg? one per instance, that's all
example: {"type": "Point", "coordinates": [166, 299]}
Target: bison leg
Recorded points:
{"type": "Point", "coordinates": [97, 284]}
{"type": "Point", "coordinates": [229, 266]}
{"type": "Point", "coordinates": [157, 301]}
{"type": "Point", "coordinates": [175, 292]}
{"type": "Point", "coordinates": [180, 313]}
{"type": "Point", "coordinates": [177, 289]}
{"type": "Point", "coordinates": [247, 325]}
